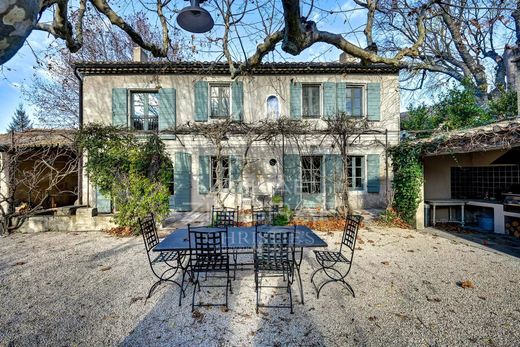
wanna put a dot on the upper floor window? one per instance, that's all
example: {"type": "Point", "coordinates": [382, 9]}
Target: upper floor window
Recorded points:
{"type": "Point", "coordinates": [354, 101]}
{"type": "Point", "coordinates": [145, 111]}
{"type": "Point", "coordinates": [311, 174]}
{"type": "Point", "coordinates": [311, 100]}
{"type": "Point", "coordinates": [224, 172]}
{"type": "Point", "coordinates": [273, 107]}
{"type": "Point", "coordinates": [219, 95]}
{"type": "Point", "coordinates": [355, 172]}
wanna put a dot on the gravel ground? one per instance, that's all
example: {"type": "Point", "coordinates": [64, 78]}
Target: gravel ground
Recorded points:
{"type": "Point", "coordinates": [88, 289]}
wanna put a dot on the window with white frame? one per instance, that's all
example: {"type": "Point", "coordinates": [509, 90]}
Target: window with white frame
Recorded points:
{"type": "Point", "coordinates": [354, 101]}
{"type": "Point", "coordinates": [311, 100]}
{"type": "Point", "coordinates": [219, 100]}
{"type": "Point", "coordinates": [145, 110]}
{"type": "Point", "coordinates": [224, 172]}
{"type": "Point", "coordinates": [273, 107]}
{"type": "Point", "coordinates": [311, 174]}
{"type": "Point", "coordinates": [355, 172]}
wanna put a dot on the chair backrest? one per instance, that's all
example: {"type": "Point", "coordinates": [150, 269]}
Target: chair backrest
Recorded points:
{"type": "Point", "coordinates": [207, 241]}
{"type": "Point", "coordinates": [349, 234]}
{"type": "Point", "coordinates": [149, 232]}
{"type": "Point", "coordinates": [274, 245]}
{"type": "Point", "coordinates": [221, 217]}
{"type": "Point", "coordinates": [263, 216]}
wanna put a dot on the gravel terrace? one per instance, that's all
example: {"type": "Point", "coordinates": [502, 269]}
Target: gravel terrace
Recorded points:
{"type": "Point", "coordinates": [88, 289]}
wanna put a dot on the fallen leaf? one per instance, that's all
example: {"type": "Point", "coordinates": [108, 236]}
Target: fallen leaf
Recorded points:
{"type": "Point", "coordinates": [385, 263]}
{"type": "Point", "coordinates": [197, 315]}
{"type": "Point", "coordinates": [18, 263]}
{"type": "Point", "coordinates": [402, 316]}
{"type": "Point", "coordinates": [105, 268]}
{"type": "Point", "coordinates": [482, 298]}
{"type": "Point", "coordinates": [466, 284]}
{"type": "Point", "coordinates": [370, 241]}
{"type": "Point", "coordinates": [432, 299]}
{"type": "Point", "coordinates": [132, 300]}
{"type": "Point", "coordinates": [224, 309]}
{"type": "Point", "coordinates": [372, 318]}
{"type": "Point", "coordinates": [410, 250]}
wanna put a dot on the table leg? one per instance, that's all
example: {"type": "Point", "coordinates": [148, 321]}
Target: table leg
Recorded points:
{"type": "Point", "coordinates": [298, 264]}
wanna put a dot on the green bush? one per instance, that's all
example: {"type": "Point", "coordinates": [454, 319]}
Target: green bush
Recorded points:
{"type": "Point", "coordinates": [134, 171]}
{"type": "Point", "coordinates": [284, 217]}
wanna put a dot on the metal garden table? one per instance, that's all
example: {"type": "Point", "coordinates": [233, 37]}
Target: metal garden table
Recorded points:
{"type": "Point", "coordinates": [243, 238]}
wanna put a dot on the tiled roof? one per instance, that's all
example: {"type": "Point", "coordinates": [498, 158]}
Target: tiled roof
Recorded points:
{"type": "Point", "coordinates": [38, 138]}
{"type": "Point", "coordinates": [128, 68]}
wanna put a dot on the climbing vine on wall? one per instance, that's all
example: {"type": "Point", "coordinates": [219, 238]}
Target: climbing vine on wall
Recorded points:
{"type": "Point", "coordinates": [408, 179]}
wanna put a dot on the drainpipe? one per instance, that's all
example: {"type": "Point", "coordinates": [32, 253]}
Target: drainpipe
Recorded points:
{"type": "Point", "coordinates": [80, 154]}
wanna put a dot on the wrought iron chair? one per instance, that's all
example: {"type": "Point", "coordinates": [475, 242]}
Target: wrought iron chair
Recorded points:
{"type": "Point", "coordinates": [328, 260]}
{"type": "Point", "coordinates": [172, 260]}
{"type": "Point", "coordinates": [224, 217]}
{"type": "Point", "coordinates": [208, 254]}
{"type": "Point", "coordinates": [274, 255]}
{"type": "Point", "coordinates": [263, 216]}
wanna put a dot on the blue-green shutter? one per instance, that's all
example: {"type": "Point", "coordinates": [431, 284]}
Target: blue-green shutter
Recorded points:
{"type": "Point", "coordinates": [296, 101]}
{"type": "Point", "coordinates": [373, 175]}
{"type": "Point", "coordinates": [329, 99]}
{"type": "Point", "coordinates": [167, 112]}
{"type": "Point", "coordinates": [201, 89]}
{"type": "Point", "coordinates": [204, 178]}
{"type": "Point", "coordinates": [237, 100]}
{"type": "Point", "coordinates": [120, 107]}
{"type": "Point", "coordinates": [333, 179]}
{"type": "Point", "coordinates": [341, 97]}
{"type": "Point", "coordinates": [292, 178]}
{"type": "Point", "coordinates": [182, 179]}
{"type": "Point", "coordinates": [374, 101]}
{"type": "Point", "coordinates": [103, 203]}
{"type": "Point", "coordinates": [236, 167]}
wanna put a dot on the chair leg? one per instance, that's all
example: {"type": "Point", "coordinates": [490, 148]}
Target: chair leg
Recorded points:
{"type": "Point", "coordinates": [183, 292]}
{"type": "Point", "coordinates": [152, 288]}
{"type": "Point", "coordinates": [290, 294]}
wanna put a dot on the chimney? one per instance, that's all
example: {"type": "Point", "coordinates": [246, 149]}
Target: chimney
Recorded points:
{"type": "Point", "coordinates": [346, 58]}
{"type": "Point", "coordinates": [139, 55]}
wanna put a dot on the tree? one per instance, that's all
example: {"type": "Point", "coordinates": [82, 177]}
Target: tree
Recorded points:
{"type": "Point", "coordinates": [54, 89]}
{"type": "Point", "coordinates": [20, 121]}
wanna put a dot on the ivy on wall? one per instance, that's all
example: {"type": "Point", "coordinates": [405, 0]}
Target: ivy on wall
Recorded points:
{"type": "Point", "coordinates": [408, 180]}
{"type": "Point", "coordinates": [133, 170]}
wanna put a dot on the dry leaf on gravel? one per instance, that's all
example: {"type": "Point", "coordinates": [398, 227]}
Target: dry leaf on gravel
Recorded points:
{"type": "Point", "coordinates": [197, 315]}
{"type": "Point", "coordinates": [385, 262]}
{"type": "Point", "coordinates": [18, 263]}
{"type": "Point", "coordinates": [372, 318]}
{"type": "Point", "coordinates": [432, 299]}
{"type": "Point", "coordinates": [105, 268]}
{"type": "Point", "coordinates": [224, 309]}
{"type": "Point", "coordinates": [466, 284]}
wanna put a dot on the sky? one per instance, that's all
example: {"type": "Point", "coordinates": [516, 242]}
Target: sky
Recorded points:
{"type": "Point", "coordinates": [18, 71]}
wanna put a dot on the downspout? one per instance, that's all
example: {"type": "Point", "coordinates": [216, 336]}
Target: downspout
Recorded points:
{"type": "Point", "coordinates": [80, 154]}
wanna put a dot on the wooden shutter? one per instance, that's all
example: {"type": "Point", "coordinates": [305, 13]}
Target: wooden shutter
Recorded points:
{"type": "Point", "coordinates": [235, 169]}
{"type": "Point", "coordinates": [201, 90]}
{"type": "Point", "coordinates": [296, 100]}
{"type": "Point", "coordinates": [182, 179]}
{"type": "Point", "coordinates": [120, 107]}
{"type": "Point", "coordinates": [333, 179]}
{"type": "Point", "coordinates": [373, 175]}
{"type": "Point", "coordinates": [204, 174]}
{"type": "Point", "coordinates": [237, 100]}
{"type": "Point", "coordinates": [374, 101]}
{"type": "Point", "coordinates": [341, 97]}
{"type": "Point", "coordinates": [329, 99]}
{"type": "Point", "coordinates": [167, 112]}
{"type": "Point", "coordinates": [103, 202]}
{"type": "Point", "coordinates": [292, 179]}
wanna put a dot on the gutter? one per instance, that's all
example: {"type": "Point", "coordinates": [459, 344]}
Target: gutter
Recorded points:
{"type": "Point", "coordinates": [80, 121]}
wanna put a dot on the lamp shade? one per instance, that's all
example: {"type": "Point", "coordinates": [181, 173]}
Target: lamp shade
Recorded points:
{"type": "Point", "coordinates": [195, 19]}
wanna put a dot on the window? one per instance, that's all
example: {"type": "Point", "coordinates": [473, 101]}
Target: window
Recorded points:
{"type": "Point", "coordinates": [224, 167]}
{"type": "Point", "coordinates": [273, 107]}
{"type": "Point", "coordinates": [355, 172]}
{"type": "Point", "coordinates": [145, 111]}
{"type": "Point", "coordinates": [219, 100]}
{"type": "Point", "coordinates": [311, 174]}
{"type": "Point", "coordinates": [311, 100]}
{"type": "Point", "coordinates": [354, 101]}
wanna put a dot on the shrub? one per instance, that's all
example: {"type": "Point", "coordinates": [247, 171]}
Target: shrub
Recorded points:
{"type": "Point", "coordinates": [284, 217]}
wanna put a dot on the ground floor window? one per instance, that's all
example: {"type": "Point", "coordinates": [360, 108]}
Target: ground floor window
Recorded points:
{"type": "Point", "coordinates": [355, 172]}
{"type": "Point", "coordinates": [311, 174]}
{"type": "Point", "coordinates": [224, 176]}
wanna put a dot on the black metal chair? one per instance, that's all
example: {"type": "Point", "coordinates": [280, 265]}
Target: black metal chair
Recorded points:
{"type": "Point", "coordinates": [274, 256]}
{"type": "Point", "coordinates": [208, 254]}
{"type": "Point", "coordinates": [171, 260]}
{"type": "Point", "coordinates": [264, 216]}
{"type": "Point", "coordinates": [224, 217]}
{"type": "Point", "coordinates": [328, 260]}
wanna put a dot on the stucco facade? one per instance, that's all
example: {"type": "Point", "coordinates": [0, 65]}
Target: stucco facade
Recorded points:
{"type": "Point", "coordinates": [259, 178]}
